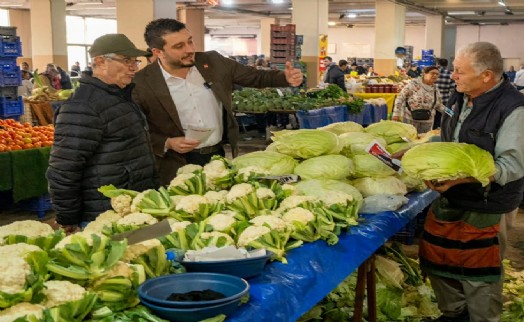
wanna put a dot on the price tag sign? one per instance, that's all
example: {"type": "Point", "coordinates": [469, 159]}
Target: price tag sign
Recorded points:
{"type": "Point", "coordinates": [279, 91]}
{"type": "Point", "coordinates": [283, 179]}
{"type": "Point", "coordinates": [379, 152]}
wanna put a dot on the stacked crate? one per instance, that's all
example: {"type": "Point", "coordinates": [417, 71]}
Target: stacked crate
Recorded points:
{"type": "Point", "coordinates": [285, 45]}
{"type": "Point", "coordinates": [11, 104]}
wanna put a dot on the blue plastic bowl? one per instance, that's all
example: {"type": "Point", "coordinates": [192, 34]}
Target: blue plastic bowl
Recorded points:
{"type": "Point", "coordinates": [245, 268]}
{"type": "Point", "coordinates": [157, 290]}
{"type": "Point", "coordinates": [190, 314]}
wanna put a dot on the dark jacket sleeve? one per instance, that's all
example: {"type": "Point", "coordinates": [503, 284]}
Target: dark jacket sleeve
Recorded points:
{"type": "Point", "coordinates": [78, 131]}
{"type": "Point", "coordinates": [336, 76]}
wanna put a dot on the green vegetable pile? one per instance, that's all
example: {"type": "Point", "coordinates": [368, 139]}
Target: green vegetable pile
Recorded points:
{"type": "Point", "coordinates": [271, 99]}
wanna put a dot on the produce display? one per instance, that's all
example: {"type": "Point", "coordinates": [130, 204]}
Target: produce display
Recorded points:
{"type": "Point", "coordinates": [237, 202]}
{"type": "Point", "coordinates": [274, 100]}
{"type": "Point", "coordinates": [17, 136]}
{"type": "Point", "coordinates": [42, 92]}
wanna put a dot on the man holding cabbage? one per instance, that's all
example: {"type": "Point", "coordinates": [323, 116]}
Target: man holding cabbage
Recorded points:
{"type": "Point", "coordinates": [465, 231]}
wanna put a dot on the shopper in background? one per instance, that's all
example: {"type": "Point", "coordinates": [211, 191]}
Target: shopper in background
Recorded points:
{"type": "Point", "coordinates": [445, 86]}
{"type": "Point", "coordinates": [343, 64]}
{"type": "Point", "coordinates": [75, 69]}
{"type": "Point", "coordinates": [101, 137]}
{"type": "Point", "coordinates": [511, 74]}
{"type": "Point", "coordinates": [414, 71]}
{"type": "Point", "coordinates": [465, 231]}
{"type": "Point", "coordinates": [65, 80]}
{"type": "Point", "coordinates": [187, 88]}
{"type": "Point", "coordinates": [328, 64]}
{"type": "Point", "coordinates": [418, 101]}
{"type": "Point", "coordinates": [51, 77]}
{"type": "Point", "coordinates": [25, 67]}
{"type": "Point", "coordinates": [519, 78]}
{"type": "Point", "coordinates": [371, 72]}
{"type": "Point", "coordinates": [335, 75]}
{"type": "Point", "coordinates": [27, 84]}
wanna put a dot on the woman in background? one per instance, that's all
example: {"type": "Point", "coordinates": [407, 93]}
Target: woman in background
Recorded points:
{"type": "Point", "coordinates": [419, 99]}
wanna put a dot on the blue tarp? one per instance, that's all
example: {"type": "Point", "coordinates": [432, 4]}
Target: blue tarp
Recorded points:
{"type": "Point", "coordinates": [284, 292]}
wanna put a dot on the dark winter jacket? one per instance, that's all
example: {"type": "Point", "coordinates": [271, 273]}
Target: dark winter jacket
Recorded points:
{"type": "Point", "coordinates": [335, 75]}
{"type": "Point", "coordinates": [101, 138]}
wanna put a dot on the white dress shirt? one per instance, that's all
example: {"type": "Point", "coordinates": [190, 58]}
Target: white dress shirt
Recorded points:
{"type": "Point", "coordinates": [196, 104]}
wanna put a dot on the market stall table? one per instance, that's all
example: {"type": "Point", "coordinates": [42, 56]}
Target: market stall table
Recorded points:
{"type": "Point", "coordinates": [389, 97]}
{"type": "Point", "coordinates": [284, 292]}
{"type": "Point", "coordinates": [23, 172]}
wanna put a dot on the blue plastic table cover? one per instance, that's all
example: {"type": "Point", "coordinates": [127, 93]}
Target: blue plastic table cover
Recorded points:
{"type": "Point", "coordinates": [284, 292]}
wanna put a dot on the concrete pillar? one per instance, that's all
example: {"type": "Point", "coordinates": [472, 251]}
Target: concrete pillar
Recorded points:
{"type": "Point", "coordinates": [48, 33]}
{"type": "Point", "coordinates": [435, 34]}
{"type": "Point", "coordinates": [22, 20]}
{"type": "Point", "coordinates": [194, 20]}
{"type": "Point", "coordinates": [389, 34]}
{"type": "Point", "coordinates": [265, 36]}
{"type": "Point", "coordinates": [311, 20]}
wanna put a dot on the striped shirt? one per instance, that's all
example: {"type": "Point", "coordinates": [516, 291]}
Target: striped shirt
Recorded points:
{"type": "Point", "coordinates": [445, 84]}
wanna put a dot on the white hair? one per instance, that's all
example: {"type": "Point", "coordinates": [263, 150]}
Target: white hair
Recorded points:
{"type": "Point", "coordinates": [484, 56]}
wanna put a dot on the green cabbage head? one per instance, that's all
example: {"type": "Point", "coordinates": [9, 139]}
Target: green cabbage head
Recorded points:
{"type": "Point", "coordinates": [275, 163]}
{"type": "Point", "coordinates": [393, 131]}
{"type": "Point", "coordinates": [342, 127]}
{"type": "Point", "coordinates": [332, 166]}
{"type": "Point", "coordinates": [306, 143]}
{"type": "Point", "coordinates": [447, 161]}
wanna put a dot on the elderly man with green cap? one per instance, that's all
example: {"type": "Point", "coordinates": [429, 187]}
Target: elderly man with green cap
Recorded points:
{"type": "Point", "coordinates": [101, 137]}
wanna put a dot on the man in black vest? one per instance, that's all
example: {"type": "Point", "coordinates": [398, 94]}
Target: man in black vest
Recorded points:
{"type": "Point", "coordinates": [465, 232]}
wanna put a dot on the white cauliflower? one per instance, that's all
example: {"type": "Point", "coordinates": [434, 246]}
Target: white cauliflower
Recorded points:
{"type": "Point", "coordinates": [135, 250]}
{"type": "Point", "coordinates": [122, 203]}
{"type": "Point", "coordinates": [294, 201]}
{"type": "Point", "coordinates": [29, 228]}
{"type": "Point", "coordinates": [336, 197]}
{"type": "Point", "coordinates": [299, 214]}
{"type": "Point", "coordinates": [177, 225]}
{"type": "Point", "coordinates": [250, 234]}
{"type": "Point", "coordinates": [288, 188]}
{"type": "Point", "coordinates": [265, 193]}
{"type": "Point", "coordinates": [274, 222]}
{"type": "Point", "coordinates": [137, 219]}
{"type": "Point", "coordinates": [180, 179]}
{"type": "Point", "coordinates": [17, 250]}
{"type": "Point", "coordinates": [216, 196]}
{"type": "Point", "coordinates": [104, 219]}
{"type": "Point", "coordinates": [191, 203]}
{"type": "Point", "coordinates": [176, 199]}
{"type": "Point", "coordinates": [188, 168]}
{"type": "Point", "coordinates": [212, 234]}
{"type": "Point", "coordinates": [222, 221]}
{"type": "Point", "coordinates": [239, 191]}
{"type": "Point", "coordinates": [60, 292]}
{"type": "Point", "coordinates": [14, 273]}
{"type": "Point", "coordinates": [85, 234]}
{"type": "Point", "coordinates": [21, 310]}
{"type": "Point", "coordinates": [137, 200]}
{"type": "Point", "coordinates": [245, 173]}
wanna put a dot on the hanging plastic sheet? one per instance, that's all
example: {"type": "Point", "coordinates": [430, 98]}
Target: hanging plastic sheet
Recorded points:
{"type": "Point", "coordinates": [284, 292]}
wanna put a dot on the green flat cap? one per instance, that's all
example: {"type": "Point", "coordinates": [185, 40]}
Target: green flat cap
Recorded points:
{"type": "Point", "coordinates": [115, 44]}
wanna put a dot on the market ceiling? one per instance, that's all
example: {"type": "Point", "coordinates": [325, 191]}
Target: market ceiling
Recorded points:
{"type": "Point", "coordinates": [342, 13]}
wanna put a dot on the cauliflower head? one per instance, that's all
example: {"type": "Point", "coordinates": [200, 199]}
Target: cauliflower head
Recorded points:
{"type": "Point", "coordinates": [188, 168]}
{"type": "Point", "coordinates": [274, 222]}
{"type": "Point", "coordinates": [137, 219]}
{"type": "Point", "coordinates": [28, 228]}
{"type": "Point", "coordinates": [191, 203]}
{"type": "Point", "coordinates": [251, 234]}
{"type": "Point", "coordinates": [299, 214]}
{"type": "Point", "coordinates": [238, 191]}
{"type": "Point", "coordinates": [21, 310]}
{"type": "Point", "coordinates": [122, 203]}
{"type": "Point", "coordinates": [14, 273]}
{"type": "Point", "coordinates": [60, 292]}
{"type": "Point", "coordinates": [178, 225]}
{"type": "Point", "coordinates": [222, 221]}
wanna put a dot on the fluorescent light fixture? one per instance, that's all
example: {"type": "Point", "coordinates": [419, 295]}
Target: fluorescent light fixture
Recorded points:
{"type": "Point", "coordinates": [11, 5]}
{"type": "Point", "coordinates": [502, 3]}
{"type": "Point", "coordinates": [332, 23]}
{"type": "Point", "coordinates": [85, 3]}
{"type": "Point", "coordinates": [277, 1]}
{"type": "Point", "coordinates": [226, 2]}
{"type": "Point", "coordinates": [351, 15]}
{"type": "Point", "coordinates": [461, 13]}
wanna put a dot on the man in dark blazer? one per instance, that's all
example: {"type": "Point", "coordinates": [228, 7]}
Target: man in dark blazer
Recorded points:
{"type": "Point", "coordinates": [184, 88]}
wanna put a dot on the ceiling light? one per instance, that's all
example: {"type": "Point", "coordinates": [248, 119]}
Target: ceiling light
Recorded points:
{"type": "Point", "coordinates": [85, 3]}
{"type": "Point", "coordinates": [226, 2]}
{"type": "Point", "coordinates": [502, 3]}
{"type": "Point", "coordinates": [351, 15]}
{"type": "Point", "coordinates": [332, 23]}
{"type": "Point", "coordinates": [277, 1]}
{"type": "Point", "coordinates": [461, 13]}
